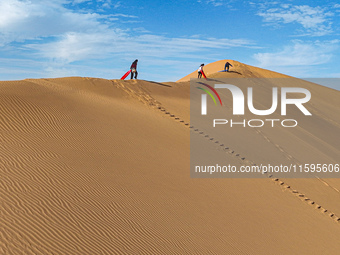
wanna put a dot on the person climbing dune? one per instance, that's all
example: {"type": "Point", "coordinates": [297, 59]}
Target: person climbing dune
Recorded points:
{"type": "Point", "coordinates": [226, 66]}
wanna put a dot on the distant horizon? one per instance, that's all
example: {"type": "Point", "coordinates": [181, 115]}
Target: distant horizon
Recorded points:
{"type": "Point", "coordinates": [62, 38]}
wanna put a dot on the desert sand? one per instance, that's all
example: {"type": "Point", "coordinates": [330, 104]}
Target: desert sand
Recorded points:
{"type": "Point", "coordinates": [95, 166]}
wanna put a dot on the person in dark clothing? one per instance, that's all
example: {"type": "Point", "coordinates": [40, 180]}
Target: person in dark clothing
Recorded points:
{"type": "Point", "coordinates": [226, 67]}
{"type": "Point", "coordinates": [200, 70]}
{"type": "Point", "coordinates": [133, 69]}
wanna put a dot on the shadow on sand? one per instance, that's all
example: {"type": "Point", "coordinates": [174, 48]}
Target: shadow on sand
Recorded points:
{"type": "Point", "coordinates": [234, 72]}
{"type": "Point", "coordinates": [160, 84]}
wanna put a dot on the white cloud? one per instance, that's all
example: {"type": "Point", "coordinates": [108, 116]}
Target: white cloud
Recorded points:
{"type": "Point", "coordinates": [68, 36]}
{"type": "Point", "coordinates": [26, 20]}
{"type": "Point", "coordinates": [314, 20]}
{"type": "Point", "coordinates": [22, 20]}
{"type": "Point", "coordinates": [117, 48]}
{"type": "Point", "coordinates": [77, 46]}
{"type": "Point", "coordinates": [216, 3]}
{"type": "Point", "coordinates": [68, 42]}
{"type": "Point", "coordinates": [299, 54]}
{"type": "Point", "coordinates": [20, 68]}
{"type": "Point", "coordinates": [80, 1]}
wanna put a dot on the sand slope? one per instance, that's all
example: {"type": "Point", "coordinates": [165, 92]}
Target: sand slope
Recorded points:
{"type": "Point", "coordinates": [93, 166]}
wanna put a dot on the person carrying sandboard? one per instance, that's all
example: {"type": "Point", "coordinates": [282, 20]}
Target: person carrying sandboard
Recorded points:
{"type": "Point", "coordinates": [133, 69]}
{"type": "Point", "coordinates": [201, 72]}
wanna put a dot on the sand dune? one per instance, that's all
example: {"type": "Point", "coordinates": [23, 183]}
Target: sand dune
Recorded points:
{"type": "Point", "coordinates": [238, 70]}
{"type": "Point", "coordinates": [94, 166]}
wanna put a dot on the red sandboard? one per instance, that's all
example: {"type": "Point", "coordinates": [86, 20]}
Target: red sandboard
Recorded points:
{"type": "Point", "coordinates": [203, 74]}
{"type": "Point", "coordinates": [126, 74]}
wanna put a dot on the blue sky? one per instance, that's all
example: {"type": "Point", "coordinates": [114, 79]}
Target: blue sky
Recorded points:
{"type": "Point", "coordinates": [59, 38]}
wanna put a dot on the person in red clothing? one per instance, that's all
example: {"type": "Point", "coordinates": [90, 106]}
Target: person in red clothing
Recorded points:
{"type": "Point", "coordinates": [133, 69]}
